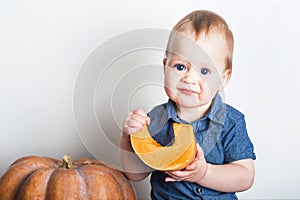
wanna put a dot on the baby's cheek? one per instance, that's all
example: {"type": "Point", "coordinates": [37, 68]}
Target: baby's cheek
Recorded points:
{"type": "Point", "coordinates": [171, 92]}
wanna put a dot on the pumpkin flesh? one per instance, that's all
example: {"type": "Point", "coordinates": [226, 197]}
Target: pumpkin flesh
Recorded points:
{"type": "Point", "coordinates": [174, 157]}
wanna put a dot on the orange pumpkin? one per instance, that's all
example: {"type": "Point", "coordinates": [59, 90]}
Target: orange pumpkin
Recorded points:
{"type": "Point", "coordinates": [175, 157]}
{"type": "Point", "coordinates": [34, 177]}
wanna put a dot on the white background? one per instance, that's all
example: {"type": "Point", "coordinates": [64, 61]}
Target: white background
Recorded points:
{"type": "Point", "coordinates": [43, 45]}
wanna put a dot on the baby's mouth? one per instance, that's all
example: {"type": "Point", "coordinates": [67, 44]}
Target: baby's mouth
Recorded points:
{"type": "Point", "coordinates": [186, 91]}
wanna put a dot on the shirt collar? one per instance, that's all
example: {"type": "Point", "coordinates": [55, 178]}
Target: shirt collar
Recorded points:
{"type": "Point", "coordinates": [216, 113]}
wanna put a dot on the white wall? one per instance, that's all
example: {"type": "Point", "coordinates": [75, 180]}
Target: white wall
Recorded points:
{"type": "Point", "coordinates": [44, 44]}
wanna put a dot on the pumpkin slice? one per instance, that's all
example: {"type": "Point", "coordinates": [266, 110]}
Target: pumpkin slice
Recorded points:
{"type": "Point", "coordinates": [175, 157]}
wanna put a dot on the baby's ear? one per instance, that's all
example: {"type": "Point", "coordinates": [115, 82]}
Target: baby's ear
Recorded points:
{"type": "Point", "coordinates": [226, 77]}
{"type": "Point", "coordinates": [165, 61]}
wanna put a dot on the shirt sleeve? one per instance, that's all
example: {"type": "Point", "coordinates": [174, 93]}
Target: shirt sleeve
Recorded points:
{"type": "Point", "coordinates": [237, 144]}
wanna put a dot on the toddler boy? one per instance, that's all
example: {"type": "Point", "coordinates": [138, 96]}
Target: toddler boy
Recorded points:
{"type": "Point", "coordinates": [197, 66]}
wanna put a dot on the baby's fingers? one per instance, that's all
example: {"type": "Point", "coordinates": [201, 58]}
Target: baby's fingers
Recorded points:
{"type": "Point", "coordinates": [141, 116]}
{"type": "Point", "coordinates": [195, 164]}
{"type": "Point", "coordinates": [199, 153]}
{"type": "Point", "coordinates": [135, 121]}
{"type": "Point", "coordinates": [179, 175]}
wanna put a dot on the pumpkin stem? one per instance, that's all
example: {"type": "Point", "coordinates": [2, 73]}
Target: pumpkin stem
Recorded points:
{"type": "Point", "coordinates": [67, 162]}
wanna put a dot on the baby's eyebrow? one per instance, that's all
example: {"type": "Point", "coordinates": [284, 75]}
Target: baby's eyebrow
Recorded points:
{"type": "Point", "coordinates": [178, 58]}
{"type": "Point", "coordinates": [205, 65]}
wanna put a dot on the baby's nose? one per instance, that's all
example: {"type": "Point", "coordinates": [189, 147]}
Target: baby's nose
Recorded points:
{"type": "Point", "coordinates": [188, 79]}
{"type": "Point", "coordinates": [191, 76]}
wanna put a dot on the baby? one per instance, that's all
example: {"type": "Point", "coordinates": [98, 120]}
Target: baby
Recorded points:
{"type": "Point", "coordinates": [197, 67]}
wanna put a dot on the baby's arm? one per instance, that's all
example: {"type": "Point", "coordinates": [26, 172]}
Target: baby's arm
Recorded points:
{"type": "Point", "coordinates": [237, 176]}
{"type": "Point", "coordinates": [233, 177]}
{"type": "Point", "coordinates": [133, 167]}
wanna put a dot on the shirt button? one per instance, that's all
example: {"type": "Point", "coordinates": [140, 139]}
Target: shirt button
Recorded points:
{"type": "Point", "coordinates": [199, 190]}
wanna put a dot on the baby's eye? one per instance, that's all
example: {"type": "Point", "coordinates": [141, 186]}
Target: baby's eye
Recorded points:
{"type": "Point", "coordinates": [180, 67]}
{"type": "Point", "coordinates": [204, 71]}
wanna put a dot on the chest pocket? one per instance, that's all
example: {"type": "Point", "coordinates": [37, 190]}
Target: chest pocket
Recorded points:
{"type": "Point", "coordinates": [209, 138]}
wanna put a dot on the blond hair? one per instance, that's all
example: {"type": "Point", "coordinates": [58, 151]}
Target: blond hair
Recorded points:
{"type": "Point", "coordinates": [203, 22]}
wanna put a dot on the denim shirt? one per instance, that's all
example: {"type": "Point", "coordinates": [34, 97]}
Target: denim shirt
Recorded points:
{"type": "Point", "coordinates": [221, 133]}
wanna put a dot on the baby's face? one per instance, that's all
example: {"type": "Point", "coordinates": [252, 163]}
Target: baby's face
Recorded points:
{"type": "Point", "coordinates": [195, 70]}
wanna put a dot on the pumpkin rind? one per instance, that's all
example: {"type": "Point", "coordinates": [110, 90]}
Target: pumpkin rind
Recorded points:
{"type": "Point", "coordinates": [33, 188]}
{"type": "Point", "coordinates": [34, 177]}
{"type": "Point", "coordinates": [174, 157]}
{"type": "Point", "coordinates": [12, 180]}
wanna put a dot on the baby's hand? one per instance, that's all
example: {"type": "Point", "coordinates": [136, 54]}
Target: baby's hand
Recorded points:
{"type": "Point", "coordinates": [135, 121]}
{"type": "Point", "coordinates": [194, 172]}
